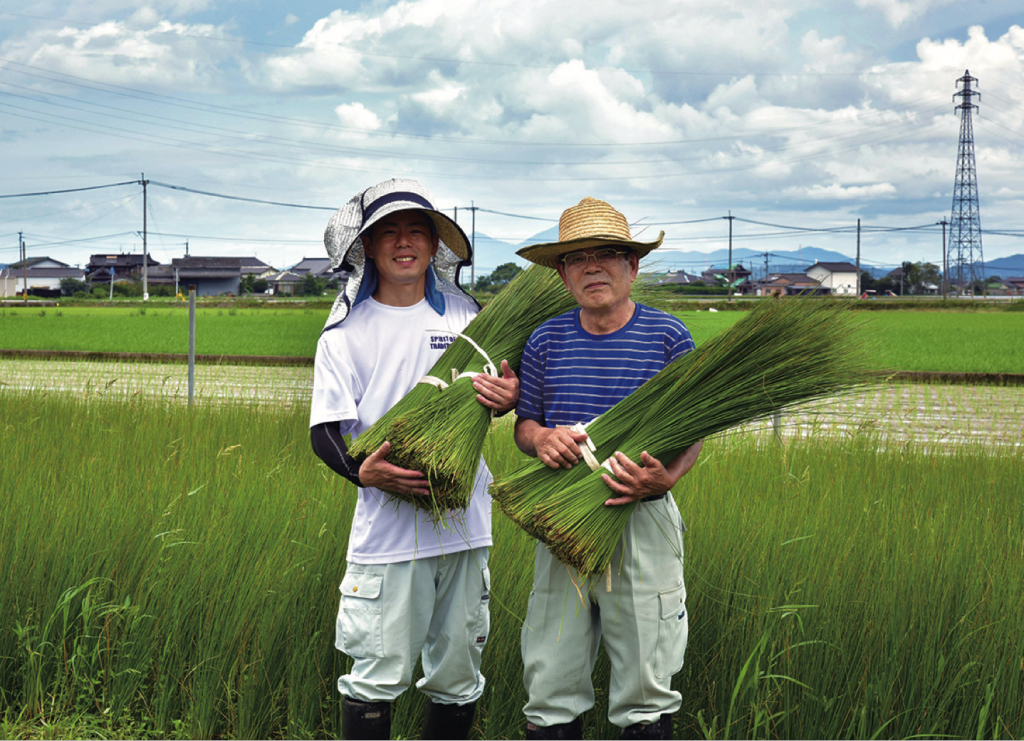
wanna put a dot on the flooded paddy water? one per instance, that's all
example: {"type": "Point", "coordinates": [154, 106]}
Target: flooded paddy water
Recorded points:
{"type": "Point", "coordinates": [936, 415]}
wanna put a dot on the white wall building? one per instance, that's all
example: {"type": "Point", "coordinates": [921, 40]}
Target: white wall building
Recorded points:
{"type": "Point", "coordinates": [839, 277]}
{"type": "Point", "coordinates": [42, 274]}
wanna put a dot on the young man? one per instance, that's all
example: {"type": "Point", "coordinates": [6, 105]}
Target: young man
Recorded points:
{"type": "Point", "coordinates": [412, 588]}
{"type": "Point", "coordinates": [574, 368]}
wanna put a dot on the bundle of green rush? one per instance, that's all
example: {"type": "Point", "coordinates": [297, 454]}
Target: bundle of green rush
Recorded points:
{"type": "Point", "coordinates": [439, 426]}
{"type": "Point", "coordinates": [782, 353]}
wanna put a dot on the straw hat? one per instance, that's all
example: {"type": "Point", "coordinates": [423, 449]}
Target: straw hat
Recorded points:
{"type": "Point", "coordinates": [590, 223]}
{"type": "Point", "coordinates": [343, 239]}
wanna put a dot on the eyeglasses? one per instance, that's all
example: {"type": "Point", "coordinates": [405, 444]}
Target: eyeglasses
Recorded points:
{"type": "Point", "coordinates": [602, 258]}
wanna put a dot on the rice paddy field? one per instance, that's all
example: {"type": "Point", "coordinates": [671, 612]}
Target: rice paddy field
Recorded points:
{"type": "Point", "coordinates": [856, 571]}
{"type": "Point", "coordinates": [979, 341]}
{"type": "Point", "coordinates": [172, 573]}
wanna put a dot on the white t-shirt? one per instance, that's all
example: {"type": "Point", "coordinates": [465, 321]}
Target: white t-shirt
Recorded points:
{"type": "Point", "coordinates": [364, 366]}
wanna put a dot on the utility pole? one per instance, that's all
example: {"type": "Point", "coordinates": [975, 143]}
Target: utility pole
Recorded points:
{"type": "Point", "coordinates": [858, 258]}
{"type": "Point", "coordinates": [472, 263]}
{"type": "Point", "coordinates": [145, 250]}
{"type": "Point", "coordinates": [965, 222]}
{"type": "Point", "coordinates": [945, 262]}
{"type": "Point", "coordinates": [730, 217]}
{"type": "Point", "coordinates": [24, 269]}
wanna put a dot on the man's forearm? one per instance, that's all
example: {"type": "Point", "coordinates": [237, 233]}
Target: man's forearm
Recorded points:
{"type": "Point", "coordinates": [525, 435]}
{"type": "Point", "coordinates": [682, 463]}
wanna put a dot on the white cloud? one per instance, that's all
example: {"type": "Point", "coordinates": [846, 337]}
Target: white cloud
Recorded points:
{"type": "Point", "coordinates": [164, 55]}
{"type": "Point", "coordinates": [978, 53]}
{"type": "Point", "coordinates": [690, 107]}
{"type": "Point", "coordinates": [357, 116]}
{"type": "Point", "coordinates": [439, 99]}
{"type": "Point", "coordinates": [898, 12]}
{"type": "Point", "coordinates": [827, 55]}
{"type": "Point", "coordinates": [837, 192]}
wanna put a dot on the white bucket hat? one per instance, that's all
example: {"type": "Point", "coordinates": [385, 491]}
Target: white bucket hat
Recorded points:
{"type": "Point", "coordinates": [343, 239]}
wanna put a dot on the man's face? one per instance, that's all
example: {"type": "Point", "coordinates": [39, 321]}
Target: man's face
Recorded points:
{"type": "Point", "coordinates": [401, 246]}
{"type": "Point", "coordinates": [600, 286]}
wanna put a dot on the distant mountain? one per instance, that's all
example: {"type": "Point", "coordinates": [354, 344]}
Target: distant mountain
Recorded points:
{"type": "Point", "coordinates": [548, 235]}
{"type": "Point", "coordinates": [490, 253]}
{"type": "Point", "coordinates": [1005, 267]}
{"type": "Point", "coordinates": [778, 262]}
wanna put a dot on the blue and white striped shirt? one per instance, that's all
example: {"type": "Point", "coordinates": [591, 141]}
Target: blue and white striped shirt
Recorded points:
{"type": "Point", "coordinates": [569, 376]}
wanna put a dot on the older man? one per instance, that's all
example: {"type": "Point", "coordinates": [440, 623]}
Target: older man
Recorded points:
{"type": "Point", "coordinates": [412, 589]}
{"type": "Point", "coordinates": [574, 368]}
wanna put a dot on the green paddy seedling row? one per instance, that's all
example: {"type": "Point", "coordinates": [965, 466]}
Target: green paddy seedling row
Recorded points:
{"type": "Point", "coordinates": [947, 341]}
{"type": "Point", "coordinates": [174, 572]}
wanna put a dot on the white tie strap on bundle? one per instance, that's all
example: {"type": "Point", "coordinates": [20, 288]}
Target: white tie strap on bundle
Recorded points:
{"type": "Point", "coordinates": [588, 449]}
{"type": "Point", "coordinates": [489, 367]}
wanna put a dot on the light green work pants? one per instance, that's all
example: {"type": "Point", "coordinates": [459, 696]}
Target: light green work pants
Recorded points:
{"type": "Point", "coordinates": [642, 619]}
{"type": "Point", "coordinates": [435, 608]}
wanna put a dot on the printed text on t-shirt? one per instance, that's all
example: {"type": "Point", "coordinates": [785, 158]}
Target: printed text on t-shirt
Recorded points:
{"type": "Point", "coordinates": [441, 341]}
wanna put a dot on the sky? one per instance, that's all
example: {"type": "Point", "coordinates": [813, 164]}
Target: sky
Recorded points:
{"type": "Point", "coordinates": [795, 117]}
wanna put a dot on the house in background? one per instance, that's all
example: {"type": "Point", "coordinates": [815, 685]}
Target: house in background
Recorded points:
{"type": "Point", "coordinates": [790, 284]}
{"type": "Point", "coordinates": [255, 266]}
{"type": "Point", "coordinates": [285, 283]}
{"type": "Point", "coordinates": [840, 278]}
{"type": "Point", "coordinates": [676, 278]}
{"type": "Point", "coordinates": [737, 275]}
{"type": "Point", "coordinates": [102, 269]}
{"type": "Point", "coordinates": [212, 276]}
{"type": "Point", "coordinates": [320, 267]}
{"type": "Point", "coordinates": [8, 283]}
{"type": "Point", "coordinates": [1002, 287]}
{"type": "Point", "coordinates": [42, 275]}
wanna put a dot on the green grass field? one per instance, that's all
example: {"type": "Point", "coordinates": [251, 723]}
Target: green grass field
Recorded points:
{"type": "Point", "coordinates": [290, 332]}
{"type": "Point", "coordinates": [989, 342]}
{"type": "Point", "coordinates": [173, 573]}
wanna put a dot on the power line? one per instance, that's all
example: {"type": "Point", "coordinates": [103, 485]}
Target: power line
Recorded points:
{"type": "Point", "coordinates": [238, 239]}
{"type": "Point", "coordinates": [240, 198]}
{"type": "Point", "coordinates": [784, 229]}
{"type": "Point", "coordinates": [513, 216]}
{"type": "Point", "coordinates": [69, 190]}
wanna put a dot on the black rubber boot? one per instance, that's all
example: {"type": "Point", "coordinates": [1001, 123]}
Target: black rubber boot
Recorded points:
{"type": "Point", "coordinates": [448, 721]}
{"type": "Point", "coordinates": [661, 728]}
{"type": "Point", "coordinates": [365, 720]}
{"type": "Point", "coordinates": [570, 730]}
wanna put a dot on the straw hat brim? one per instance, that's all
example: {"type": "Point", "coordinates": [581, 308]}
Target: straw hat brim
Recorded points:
{"type": "Point", "coordinates": [549, 254]}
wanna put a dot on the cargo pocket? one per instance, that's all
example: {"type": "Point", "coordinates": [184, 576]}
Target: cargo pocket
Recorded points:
{"type": "Point", "coordinates": [483, 618]}
{"type": "Point", "coordinates": [360, 632]}
{"type": "Point", "coordinates": [673, 629]}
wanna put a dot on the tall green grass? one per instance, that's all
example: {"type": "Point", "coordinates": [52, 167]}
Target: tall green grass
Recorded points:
{"type": "Point", "coordinates": [175, 572]}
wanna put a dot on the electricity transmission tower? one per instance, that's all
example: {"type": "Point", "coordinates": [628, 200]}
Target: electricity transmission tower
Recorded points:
{"type": "Point", "coordinates": [964, 254]}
